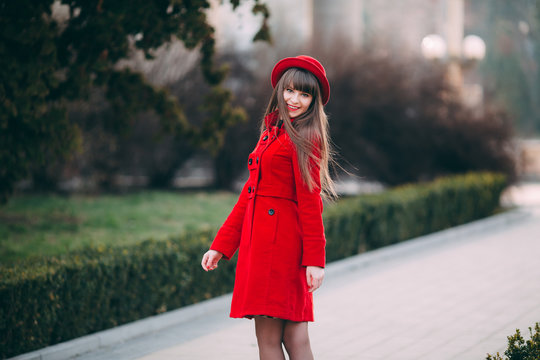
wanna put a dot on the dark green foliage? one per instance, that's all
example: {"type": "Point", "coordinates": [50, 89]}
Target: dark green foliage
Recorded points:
{"type": "Point", "coordinates": [48, 60]}
{"type": "Point", "coordinates": [49, 300]}
{"type": "Point", "coordinates": [519, 349]}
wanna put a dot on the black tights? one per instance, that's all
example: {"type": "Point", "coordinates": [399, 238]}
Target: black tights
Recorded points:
{"type": "Point", "coordinates": [271, 333]}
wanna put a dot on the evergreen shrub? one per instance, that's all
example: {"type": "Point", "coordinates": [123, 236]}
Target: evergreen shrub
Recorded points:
{"type": "Point", "coordinates": [519, 349]}
{"type": "Point", "coordinates": [48, 300]}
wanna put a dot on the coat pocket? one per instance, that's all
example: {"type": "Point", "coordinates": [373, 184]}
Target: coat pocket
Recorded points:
{"type": "Point", "coordinates": [265, 223]}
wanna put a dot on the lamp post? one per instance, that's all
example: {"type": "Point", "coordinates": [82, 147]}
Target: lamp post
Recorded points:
{"type": "Point", "coordinates": [454, 37]}
{"type": "Point", "coordinates": [459, 52]}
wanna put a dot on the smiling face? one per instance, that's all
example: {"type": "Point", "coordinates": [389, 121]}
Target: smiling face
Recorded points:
{"type": "Point", "coordinates": [296, 95]}
{"type": "Point", "coordinates": [297, 101]}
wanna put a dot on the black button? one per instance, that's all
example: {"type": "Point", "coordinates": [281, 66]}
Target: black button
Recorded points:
{"type": "Point", "coordinates": [271, 212]}
{"type": "Point", "coordinates": [274, 136]}
{"type": "Point", "coordinates": [265, 138]}
{"type": "Point", "coordinates": [249, 189]}
{"type": "Point", "coordinates": [257, 161]}
{"type": "Point", "coordinates": [250, 161]}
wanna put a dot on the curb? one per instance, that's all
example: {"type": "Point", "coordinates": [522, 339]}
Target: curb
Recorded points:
{"type": "Point", "coordinates": [122, 333]}
{"type": "Point", "coordinates": [119, 334]}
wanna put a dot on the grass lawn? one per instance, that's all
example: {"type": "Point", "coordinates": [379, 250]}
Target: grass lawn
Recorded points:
{"type": "Point", "coordinates": [50, 224]}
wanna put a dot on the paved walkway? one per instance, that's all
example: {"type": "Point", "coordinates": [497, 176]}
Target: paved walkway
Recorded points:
{"type": "Point", "coordinates": [456, 294]}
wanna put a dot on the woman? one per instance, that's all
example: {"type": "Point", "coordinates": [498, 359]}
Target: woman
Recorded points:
{"type": "Point", "coordinates": [277, 221]}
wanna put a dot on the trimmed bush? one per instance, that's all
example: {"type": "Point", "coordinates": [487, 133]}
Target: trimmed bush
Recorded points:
{"type": "Point", "coordinates": [49, 300]}
{"type": "Point", "coordinates": [368, 222]}
{"type": "Point", "coordinates": [519, 349]}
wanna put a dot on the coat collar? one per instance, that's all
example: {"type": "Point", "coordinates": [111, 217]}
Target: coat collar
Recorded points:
{"type": "Point", "coordinates": [272, 119]}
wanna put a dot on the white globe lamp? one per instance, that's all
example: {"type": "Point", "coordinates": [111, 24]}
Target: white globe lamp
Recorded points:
{"type": "Point", "coordinates": [433, 47]}
{"type": "Point", "coordinates": [474, 48]}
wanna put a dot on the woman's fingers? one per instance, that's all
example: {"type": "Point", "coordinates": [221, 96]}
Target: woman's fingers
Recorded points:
{"type": "Point", "coordinates": [210, 260]}
{"type": "Point", "coordinates": [315, 276]}
{"type": "Point", "coordinates": [315, 284]}
{"type": "Point", "coordinates": [212, 263]}
{"type": "Point", "coordinates": [204, 262]}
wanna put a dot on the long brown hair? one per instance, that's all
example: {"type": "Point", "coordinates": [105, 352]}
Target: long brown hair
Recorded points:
{"type": "Point", "coordinates": [309, 132]}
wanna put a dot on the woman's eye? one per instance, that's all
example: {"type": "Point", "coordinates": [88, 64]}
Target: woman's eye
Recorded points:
{"type": "Point", "coordinates": [306, 95]}
{"type": "Point", "coordinates": [289, 90]}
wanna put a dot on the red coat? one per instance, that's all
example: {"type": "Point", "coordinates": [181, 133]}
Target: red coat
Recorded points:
{"type": "Point", "coordinates": [277, 224]}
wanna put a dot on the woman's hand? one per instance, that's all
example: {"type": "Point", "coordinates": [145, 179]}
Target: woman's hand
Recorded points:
{"type": "Point", "coordinates": [315, 276]}
{"type": "Point", "coordinates": [210, 259]}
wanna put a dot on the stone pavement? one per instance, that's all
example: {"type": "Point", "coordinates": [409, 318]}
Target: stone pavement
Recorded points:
{"type": "Point", "coordinates": [456, 294]}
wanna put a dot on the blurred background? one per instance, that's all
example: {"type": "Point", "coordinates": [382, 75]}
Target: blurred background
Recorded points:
{"type": "Point", "coordinates": [420, 88]}
{"type": "Point", "coordinates": [125, 127]}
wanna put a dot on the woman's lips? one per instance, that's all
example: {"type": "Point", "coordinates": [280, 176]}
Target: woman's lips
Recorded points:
{"type": "Point", "coordinates": [293, 108]}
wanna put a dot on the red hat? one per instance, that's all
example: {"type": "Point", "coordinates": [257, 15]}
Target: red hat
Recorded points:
{"type": "Point", "coordinates": [307, 63]}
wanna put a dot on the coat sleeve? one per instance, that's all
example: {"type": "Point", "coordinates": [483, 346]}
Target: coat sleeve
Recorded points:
{"type": "Point", "coordinates": [227, 238]}
{"type": "Point", "coordinates": [310, 209]}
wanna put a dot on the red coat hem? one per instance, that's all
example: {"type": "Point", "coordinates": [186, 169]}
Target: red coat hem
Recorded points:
{"type": "Point", "coordinates": [281, 316]}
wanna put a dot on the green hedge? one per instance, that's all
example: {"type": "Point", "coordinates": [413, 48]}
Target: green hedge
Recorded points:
{"type": "Point", "coordinates": [368, 222]}
{"type": "Point", "coordinates": [50, 300]}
